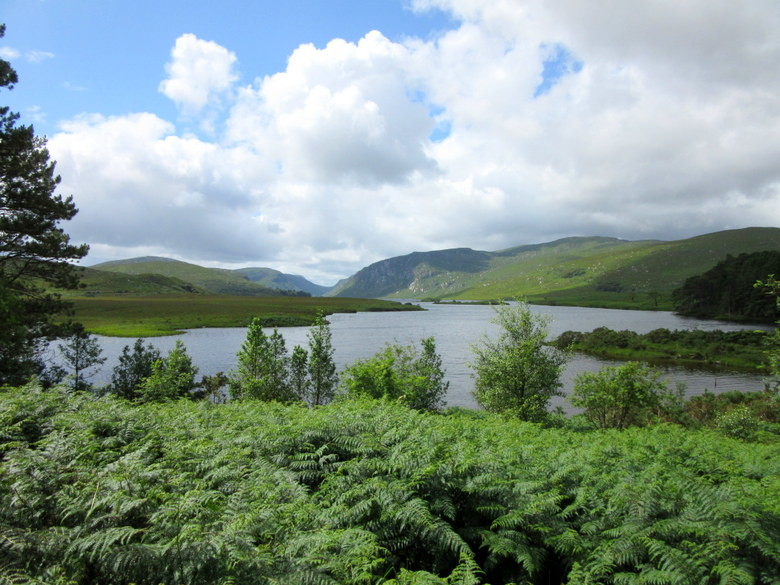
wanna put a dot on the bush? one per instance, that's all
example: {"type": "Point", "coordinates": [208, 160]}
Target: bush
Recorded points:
{"type": "Point", "coordinates": [618, 396]}
{"type": "Point", "coordinates": [400, 373]}
{"type": "Point", "coordinates": [738, 422]}
{"type": "Point", "coordinates": [171, 378]}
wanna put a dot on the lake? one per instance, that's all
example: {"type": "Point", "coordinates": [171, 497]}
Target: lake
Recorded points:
{"type": "Point", "coordinates": [456, 328]}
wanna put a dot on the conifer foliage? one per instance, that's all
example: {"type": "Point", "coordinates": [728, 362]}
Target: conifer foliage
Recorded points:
{"type": "Point", "coordinates": [34, 249]}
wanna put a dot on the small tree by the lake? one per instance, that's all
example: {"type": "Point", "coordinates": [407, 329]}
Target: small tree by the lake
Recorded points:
{"type": "Point", "coordinates": [133, 368]}
{"type": "Point", "coordinates": [321, 368]}
{"type": "Point", "coordinates": [81, 352]}
{"type": "Point", "coordinates": [263, 366]}
{"type": "Point", "coordinates": [518, 373]}
{"type": "Point", "coordinates": [400, 372]}
{"type": "Point", "coordinates": [171, 378]}
{"type": "Point", "coordinates": [618, 396]}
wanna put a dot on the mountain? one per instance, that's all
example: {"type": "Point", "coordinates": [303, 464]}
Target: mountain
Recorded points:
{"type": "Point", "coordinates": [275, 279]}
{"type": "Point", "coordinates": [208, 280]}
{"type": "Point", "coordinates": [593, 271]}
{"type": "Point", "coordinates": [101, 282]}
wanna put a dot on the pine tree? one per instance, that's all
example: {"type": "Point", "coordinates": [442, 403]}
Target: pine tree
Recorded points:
{"type": "Point", "coordinates": [323, 379]}
{"type": "Point", "coordinates": [35, 253]}
{"type": "Point", "coordinates": [133, 368]}
{"type": "Point", "coordinates": [81, 352]}
{"type": "Point", "coordinates": [263, 366]}
{"type": "Point", "coordinates": [299, 376]}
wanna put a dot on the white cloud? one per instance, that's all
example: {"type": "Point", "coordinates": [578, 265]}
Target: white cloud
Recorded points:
{"type": "Point", "coordinates": [38, 56]}
{"type": "Point", "coordinates": [670, 128]}
{"type": "Point", "coordinates": [198, 74]}
{"type": "Point", "coordinates": [9, 53]}
{"type": "Point", "coordinates": [342, 113]}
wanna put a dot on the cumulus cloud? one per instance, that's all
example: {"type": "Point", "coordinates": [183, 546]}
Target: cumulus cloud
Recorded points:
{"type": "Point", "coordinates": [199, 72]}
{"type": "Point", "coordinates": [342, 113]}
{"type": "Point", "coordinates": [655, 120]}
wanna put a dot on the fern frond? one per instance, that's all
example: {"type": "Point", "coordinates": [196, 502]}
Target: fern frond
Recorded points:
{"type": "Point", "coordinates": [468, 572]}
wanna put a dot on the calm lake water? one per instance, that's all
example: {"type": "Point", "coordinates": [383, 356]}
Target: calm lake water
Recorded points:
{"type": "Point", "coordinates": [456, 328]}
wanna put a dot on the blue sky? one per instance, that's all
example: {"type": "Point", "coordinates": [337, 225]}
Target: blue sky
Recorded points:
{"type": "Point", "coordinates": [317, 137]}
{"type": "Point", "coordinates": [108, 56]}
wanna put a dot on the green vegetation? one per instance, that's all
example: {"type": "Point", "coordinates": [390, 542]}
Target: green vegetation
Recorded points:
{"type": "Point", "coordinates": [81, 352]}
{"type": "Point", "coordinates": [148, 316]}
{"type": "Point", "coordinates": [619, 396]}
{"type": "Point", "coordinates": [35, 252]}
{"type": "Point", "coordinates": [737, 350]}
{"type": "Point", "coordinates": [400, 373]}
{"type": "Point", "coordinates": [248, 281]}
{"type": "Point", "coordinates": [103, 283]}
{"type": "Point", "coordinates": [263, 370]}
{"type": "Point", "coordinates": [370, 492]}
{"type": "Point", "coordinates": [728, 290]}
{"type": "Point", "coordinates": [582, 271]}
{"type": "Point", "coordinates": [171, 378]}
{"type": "Point", "coordinates": [134, 367]}
{"type": "Point", "coordinates": [179, 486]}
{"type": "Point", "coordinates": [316, 379]}
{"type": "Point", "coordinates": [518, 373]}
{"type": "Point", "coordinates": [210, 280]}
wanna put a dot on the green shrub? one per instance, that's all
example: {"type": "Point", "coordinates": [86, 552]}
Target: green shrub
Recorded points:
{"type": "Point", "coordinates": [402, 373]}
{"type": "Point", "coordinates": [738, 422]}
{"type": "Point", "coordinates": [618, 396]}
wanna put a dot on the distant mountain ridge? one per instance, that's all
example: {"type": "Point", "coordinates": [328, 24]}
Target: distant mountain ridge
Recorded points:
{"type": "Point", "coordinates": [274, 279]}
{"type": "Point", "coordinates": [580, 270]}
{"type": "Point", "coordinates": [595, 271]}
{"type": "Point", "coordinates": [242, 282]}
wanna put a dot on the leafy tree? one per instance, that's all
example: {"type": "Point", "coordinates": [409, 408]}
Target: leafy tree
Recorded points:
{"type": "Point", "coordinates": [81, 352]}
{"type": "Point", "coordinates": [618, 396]}
{"type": "Point", "coordinates": [400, 373]}
{"type": "Point", "coordinates": [213, 387]}
{"type": "Point", "coordinates": [430, 387]}
{"type": "Point", "coordinates": [517, 373]}
{"type": "Point", "coordinates": [321, 368]}
{"type": "Point", "coordinates": [171, 378]}
{"type": "Point", "coordinates": [263, 366]}
{"type": "Point", "coordinates": [299, 376]}
{"type": "Point", "coordinates": [35, 253]}
{"type": "Point", "coordinates": [133, 368]}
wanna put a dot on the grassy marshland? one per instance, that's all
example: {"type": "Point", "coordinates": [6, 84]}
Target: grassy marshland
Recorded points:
{"type": "Point", "coordinates": [148, 316]}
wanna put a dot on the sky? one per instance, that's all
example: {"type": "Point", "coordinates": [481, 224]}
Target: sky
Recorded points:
{"type": "Point", "coordinates": [317, 137]}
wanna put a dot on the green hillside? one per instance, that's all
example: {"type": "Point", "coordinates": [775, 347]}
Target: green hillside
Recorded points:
{"type": "Point", "coordinates": [589, 271]}
{"type": "Point", "coordinates": [212, 280]}
{"type": "Point", "coordinates": [649, 281]}
{"type": "Point", "coordinates": [100, 282]}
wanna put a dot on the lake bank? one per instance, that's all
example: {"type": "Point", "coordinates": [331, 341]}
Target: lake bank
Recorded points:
{"type": "Point", "coordinates": [455, 329]}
